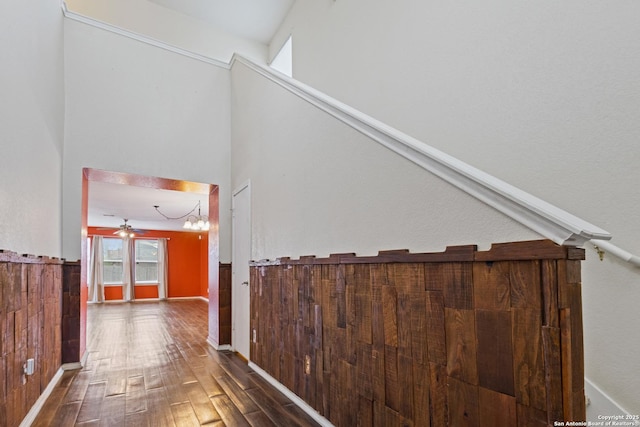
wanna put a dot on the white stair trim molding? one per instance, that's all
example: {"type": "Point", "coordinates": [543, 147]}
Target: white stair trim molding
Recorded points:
{"type": "Point", "coordinates": [544, 218]}
{"type": "Point", "coordinates": [140, 37]}
{"type": "Point", "coordinates": [548, 220]}
{"type": "Point", "coordinates": [309, 410]}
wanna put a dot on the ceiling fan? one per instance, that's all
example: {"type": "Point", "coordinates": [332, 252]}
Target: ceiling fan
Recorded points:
{"type": "Point", "coordinates": [125, 230]}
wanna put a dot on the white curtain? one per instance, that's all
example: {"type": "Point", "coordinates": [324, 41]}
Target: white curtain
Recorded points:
{"type": "Point", "coordinates": [128, 269]}
{"type": "Point", "coordinates": [163, 264]}
{"type": "Point", "coordinates": [96, 279]}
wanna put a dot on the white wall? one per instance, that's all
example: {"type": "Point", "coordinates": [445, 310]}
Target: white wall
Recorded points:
{"type": "Point", "coordinates": [319, 187]}
{"type": "Point", "coordinates": [543, 95]}
{"type": "Point", "coordinates": [160, 23]}
{"type": "Point", "coordinates": [31, 126]}
{"type": "Point", "coordinates": [136, 108]}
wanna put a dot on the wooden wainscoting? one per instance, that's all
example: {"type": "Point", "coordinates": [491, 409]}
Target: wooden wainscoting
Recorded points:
{"type": "Point", "coordinates": [224, 291]}
{"type": "Point", "coordinates": [30, 315]}
{"type": "Point", "coordinates": [71, 312]}
{"type": "Point", "coordinates": [455, 338]}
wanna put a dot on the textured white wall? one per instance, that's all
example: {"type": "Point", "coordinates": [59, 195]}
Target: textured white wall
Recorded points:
{"type": "Point", "coordinates": [319, 187]}
{"type": "Point", "coordinates": [31, 126]}
{"type": "Point", "coordinates": [160, 23]}
{"type": "Point", "coordinates": [543, 95]}
{"type": "Point", "coordinates": [135, 108]}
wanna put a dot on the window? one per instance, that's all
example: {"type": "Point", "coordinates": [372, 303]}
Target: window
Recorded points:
{"type": "Point", "coordinates": [146, 261]}
{"type": "Point", "coordinates": [112, 260]}
{"type": "Point", "coordinates": [146, 251]}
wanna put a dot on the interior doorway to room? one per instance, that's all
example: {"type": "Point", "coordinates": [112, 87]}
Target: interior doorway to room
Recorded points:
{"type": "Point", "coordinates": [241, 295]}
{"type": "Point", "coordinates": [137, 184]}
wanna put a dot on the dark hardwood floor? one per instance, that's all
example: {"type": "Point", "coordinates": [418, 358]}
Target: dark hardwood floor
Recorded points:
{"type": "Point", "coordinates": [149, 365]}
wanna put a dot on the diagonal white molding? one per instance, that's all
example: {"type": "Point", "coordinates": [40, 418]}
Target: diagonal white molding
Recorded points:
{"type": "Point", "coordinates": [542, 217]}
{"type": "Point", "coordinates": [140, 37]}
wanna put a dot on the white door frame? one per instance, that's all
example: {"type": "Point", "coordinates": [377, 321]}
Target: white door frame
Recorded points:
{"type": "Point", "coordinates": [237, 280]}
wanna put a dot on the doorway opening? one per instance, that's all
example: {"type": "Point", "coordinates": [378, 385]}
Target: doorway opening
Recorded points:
{"type": "Point", "coordinates": [208, 192]}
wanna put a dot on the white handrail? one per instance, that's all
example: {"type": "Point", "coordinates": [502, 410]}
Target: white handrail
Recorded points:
{"type": "Point", "coordinates": [540, 216]}
{"type": "Point", "coordinates": [603, 247]}
{"type": "Point", "coordinates": [532, 212]}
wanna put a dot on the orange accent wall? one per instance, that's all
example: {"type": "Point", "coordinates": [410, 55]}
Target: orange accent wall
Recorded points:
{"type": "Point", "coordinates": [188, 265]}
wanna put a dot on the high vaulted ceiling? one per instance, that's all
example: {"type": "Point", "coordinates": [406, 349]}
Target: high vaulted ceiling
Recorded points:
{"type": "Point", "coordinates": [110, 204]}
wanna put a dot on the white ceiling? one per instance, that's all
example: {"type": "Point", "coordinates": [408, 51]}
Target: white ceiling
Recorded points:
{"type": "Point", "coordinates": [256, 20]}
{"type": "Point", "coordinates": [109, 204]}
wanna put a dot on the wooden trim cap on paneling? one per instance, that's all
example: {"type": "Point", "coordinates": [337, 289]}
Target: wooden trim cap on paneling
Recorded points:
{"type": "Point", "coordinates": [513, 251]}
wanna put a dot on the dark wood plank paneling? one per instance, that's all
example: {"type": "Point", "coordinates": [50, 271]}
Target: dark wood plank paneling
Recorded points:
{"type": "Point", "coordinates": [456, 338]}
{"type": "Point", "coordinates": [458, 285]}
{"type": "Point", "coordinates": [495, 351]}
{"type": "Point", "coordinates": [528, 358]}
{"type": "Point", "coordinates": [224, 303]}
{"type": "Point", "coordinates": [463, 403]}
{"type": "Point", "coordinates": [496, 409]}
{"type": "Point", "coordinates": [436, 334]}
{"type": "Point", "coordinates": [461, 345]}
{"type": "Point", "coordinates": [492, 290]}
{"type": "Point", "coordinates": [30, 328]}
{"type": "Point", "coordinates": [525, 284]}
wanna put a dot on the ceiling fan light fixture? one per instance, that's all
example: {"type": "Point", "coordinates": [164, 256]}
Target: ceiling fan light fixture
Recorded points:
{"type": "Point", "coordinates": [125, 230]}
{"type": "Point", "coordinates": [125, 233]}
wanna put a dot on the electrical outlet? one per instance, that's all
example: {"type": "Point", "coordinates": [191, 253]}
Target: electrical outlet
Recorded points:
{"type": "Point", "coordinates": [29, 367]}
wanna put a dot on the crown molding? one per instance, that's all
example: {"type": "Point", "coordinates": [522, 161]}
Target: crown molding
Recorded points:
{"type": "Point", "coordinates": [141, 38]}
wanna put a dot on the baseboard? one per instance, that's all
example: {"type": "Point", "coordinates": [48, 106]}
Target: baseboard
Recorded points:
{"type": "Point", "coordinates": [37, 407]}
{"type": "Point", "coordinates": [292, 396]}
{"type": "Point", "coordinates": [76, 365]}
{"type": "Point", "coordinates": [71, 366]}
{"type": "Point", "coordinates": [600, 405]}
{"type": "Point", "coordinates": [218, 347]}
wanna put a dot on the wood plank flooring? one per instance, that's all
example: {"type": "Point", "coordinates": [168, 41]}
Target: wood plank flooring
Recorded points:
{"type": "Point", "coordinates": [149, 365]}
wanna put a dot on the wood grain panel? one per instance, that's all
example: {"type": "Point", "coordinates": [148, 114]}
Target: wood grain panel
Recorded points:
{"type": "Point", "coordinates": [463, 403]}
{"type": "Point", "coordinates": [528, 358]}
{"type": "Point", "coordinates": [30, 328]}
{"type": "Point", "coordinates": [461, 345]}
{"type": "Point", "coordinates": [456, 338]}
{"type": "Point", "coordinates": [496, 409]}
{"type": "Point", "coordinates": [492, 290]}
{"type": "Point", "coordinates": [458, 285]}
{"type": "Point", "coordinates": [495, 351]}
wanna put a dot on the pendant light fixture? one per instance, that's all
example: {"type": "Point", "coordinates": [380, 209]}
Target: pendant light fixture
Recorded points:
{"type": "Point", "coordinates": [193, 222]}
{"type": "Point", "coordinates": [197, 223]}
